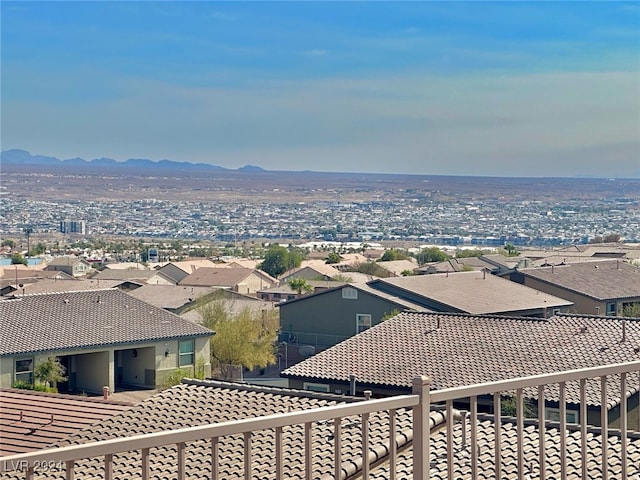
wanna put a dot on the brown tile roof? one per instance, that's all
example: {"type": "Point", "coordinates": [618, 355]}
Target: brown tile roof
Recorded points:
{"type": "Point", "coordinates": [473, 292]}
{"type": "Point", "coordinates": [601, 280]}
{"type": "Point", "coordinates": [508, 431]}
{"type": "Point", "coordinates": [67, 285]}
{"type": "Point", "coordinates": [197, 403]}
{"type": "Point", "coordinates": [217, 277]}
{"type": "Point", "coordinates": [34, 420]}
{"type": "Point", "coordinates": [75, 320]}
{"type": "Point", "coordinates": [171, 296]}
{"type": "Point", "coordinates": [458, 349]}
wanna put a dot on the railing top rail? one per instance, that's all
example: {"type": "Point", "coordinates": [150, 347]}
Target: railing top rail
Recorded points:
{"type": "Point", "coordinates": [234, 427]}
{"type": "Point", "coordinates": [488, 388]}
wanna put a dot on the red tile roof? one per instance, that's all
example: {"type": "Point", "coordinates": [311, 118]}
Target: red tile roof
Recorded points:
{"type": "Point", "coordinates": [33, 420]}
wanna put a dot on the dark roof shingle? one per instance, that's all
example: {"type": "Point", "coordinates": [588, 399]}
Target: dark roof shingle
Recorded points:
{"type": "Point", "coordinates": [74, 320]}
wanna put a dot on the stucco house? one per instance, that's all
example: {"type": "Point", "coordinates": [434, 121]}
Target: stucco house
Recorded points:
{"type": "Point", "coordinates": [241, 280]}
{"type": "Point", "coordinates": [102, 338]}
{"type": "Point", "coordinates": [462, 349]}
{"type": "Point", "coordinates": [325, 318]}
{"type": "Point", "coordinates": [595, 288]}
{"type": "Point", "coordinates": [472, 292]}
{"type": "Point", "coordinates": [74, 266]}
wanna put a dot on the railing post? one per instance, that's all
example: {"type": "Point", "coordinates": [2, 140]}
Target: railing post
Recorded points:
{"type": "Point", "coordinates": [421, 429]}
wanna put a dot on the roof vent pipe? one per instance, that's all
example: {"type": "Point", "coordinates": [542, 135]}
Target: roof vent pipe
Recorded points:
{"type": "Point", "coordinates": [484, 274]}
{"type": "Point", "coordinates": [551, 268]}
{"type": "Point", "coordinates": [352, 385]}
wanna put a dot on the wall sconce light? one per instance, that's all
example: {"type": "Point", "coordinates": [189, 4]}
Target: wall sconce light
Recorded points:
{"type": "Point", "coordinates": [134, 353]}
{"type": "Point", "coordinates": [166, 352]}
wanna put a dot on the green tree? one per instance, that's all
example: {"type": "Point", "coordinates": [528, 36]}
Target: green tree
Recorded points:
{"type": "Point", "coordinates": [246, 339]}
{"type": "Point", "coordinates": [431, 254]}
{"type": "Point", "coordinates": [371, 268]}
{"type": "Point", "coordinates": [279, 259]}
{"type": "Point", "coordinates": [332, 258]}
{"type": "Point", "coordinates": [50, 372]}
{"type": "Point", "coordinates": [18, 258]}
{"type": "Point", "coordinates": [38, 249]}
{"type": "Point", "coordinates": [631, 310]}
{"type": "Point", "coordinates": [300, 285]}
{"type": "Point", "coordinates": [8, 243]}
{"type": "Point", "coordinates": [393, 254]}
{"type": "Point", "coordinates": [511, 250]}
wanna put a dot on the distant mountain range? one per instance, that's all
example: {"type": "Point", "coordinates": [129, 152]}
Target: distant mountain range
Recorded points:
{"type": "Point", "coordinates": [22, 157]}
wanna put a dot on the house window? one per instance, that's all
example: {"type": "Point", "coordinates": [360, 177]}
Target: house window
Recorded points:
{"type": "Point", "coordinates": [315, 387]}
{"type": "Point", "coordinates": [187, 353]}
{"type": "Point", "coordinates": [350, 293]}
{"type": "Point", "coordinates": [611, 309]}
{"type": "Point", "coordinates": [24, 370]}
{"type": "Point", "coordinates": [363, 322]}
{"type": "Point", "coordinates": [553, 415]}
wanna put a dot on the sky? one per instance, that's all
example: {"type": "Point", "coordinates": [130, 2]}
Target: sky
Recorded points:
{"type": "Point", "coordinates": [432, 88]}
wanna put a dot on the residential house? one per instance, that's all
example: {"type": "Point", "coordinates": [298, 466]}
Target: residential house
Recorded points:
{"type": "Point", "coordinates": [74, 266]}
{"type": "Point", "coordinates": [32, 420]}
{"type": "Point", "coordinates": [325, 318]}
{"type": "Point", "coordinates": [472, 292]}
{"type": "Point", "coordinates": [101, 337]}
{"type": "Point", "coordinates": [398, 268]}
{"type": "Point", "coordinates": [241, 280]}
{"type": "Point", "coordinates": [311, 270]}
{"type": "Point", "coordinates": [284, 292]}
{"type": "Point", "coordinates": [177, 271]}
{"type": "Point", "coordinates": [456, 265]}
{"type": "Point", "coordinates": [460, 349]}
{"type": "Point", "coordinates": [143, 276]}
{"type": "Point", "coordinates": [69, 285]}
{"type": "Point", "coordinates": [176, 299]}
{"type": "Point", "coordinates": [605, 287]}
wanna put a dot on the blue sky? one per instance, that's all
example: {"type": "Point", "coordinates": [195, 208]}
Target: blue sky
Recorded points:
{"type": "Point", "coordinates": [454, 88]}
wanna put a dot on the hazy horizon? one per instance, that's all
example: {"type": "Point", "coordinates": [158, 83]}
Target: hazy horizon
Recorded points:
{"type": "Point", "coordinates": [504, 89]}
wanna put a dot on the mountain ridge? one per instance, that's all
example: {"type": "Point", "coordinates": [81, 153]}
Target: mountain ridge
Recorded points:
{"type": "Point", "coordinates": [23, 157]}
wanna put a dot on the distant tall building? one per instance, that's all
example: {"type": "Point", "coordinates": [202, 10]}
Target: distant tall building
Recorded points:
{"type": "Point", "coordinates": [73, 226]}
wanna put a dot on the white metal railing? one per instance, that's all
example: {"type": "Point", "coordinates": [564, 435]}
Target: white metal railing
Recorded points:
{"type": "Point", "coordinates": [420, 403]}
{"type": "Point", "coordinates": [30, 462]}
{"type": "Point", "coordinates": [625, 371]}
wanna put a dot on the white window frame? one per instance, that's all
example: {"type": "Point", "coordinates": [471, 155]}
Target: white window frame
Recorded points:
{"type": "Point", "coordinates": [349, 293]}
{"type": "Point", "coordinates": [316, 387]}
{"type": "Point", "coordinates": [24, 372]}
{"type": "Point", "coordinates": [359, 323]}
{"type": "Point", "coordinates": [182, 355]}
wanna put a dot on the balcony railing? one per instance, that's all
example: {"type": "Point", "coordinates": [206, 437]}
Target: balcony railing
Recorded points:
{"type": "Point", "coordinates": [419, 403]}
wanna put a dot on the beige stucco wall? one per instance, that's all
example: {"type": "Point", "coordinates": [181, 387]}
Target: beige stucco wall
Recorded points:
{"type": "Point", "coordinates": [252, 284]}
{"type": "Point", "coordinates": [582, 304]}
{"type": "Point", "coordinates": [93, 369]}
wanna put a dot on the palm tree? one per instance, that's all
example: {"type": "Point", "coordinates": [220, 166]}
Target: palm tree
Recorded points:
{"type": "Point", "coordinates": [28, 231]}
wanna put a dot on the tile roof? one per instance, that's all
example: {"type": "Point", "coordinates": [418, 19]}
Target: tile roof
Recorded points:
{"type": "Point", "coordinates": [129, 274]}
{"type": "Point", "coordinates": [66, 261]}
{"type": "Point", "coordinates": [601, 280]}
{"type": "Point", "coordinates": [66, 285]}
{"type": "Point", "coordinates": [197, 403]}
{"type": "Point", "coordinates": [217, 277]}
{"type": "Point", "coordinates": [472, 292]}
{"type": "Point", "coordinates": [74, 320]}
{"type": "Point", "coordinates": [458, 349]}
{"type": "Point", "coordinates": [34, 420]}
{"type": "Point", "coordinates": [508, 431]}
{"type": "Point", "coordinates": [171, 296]}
